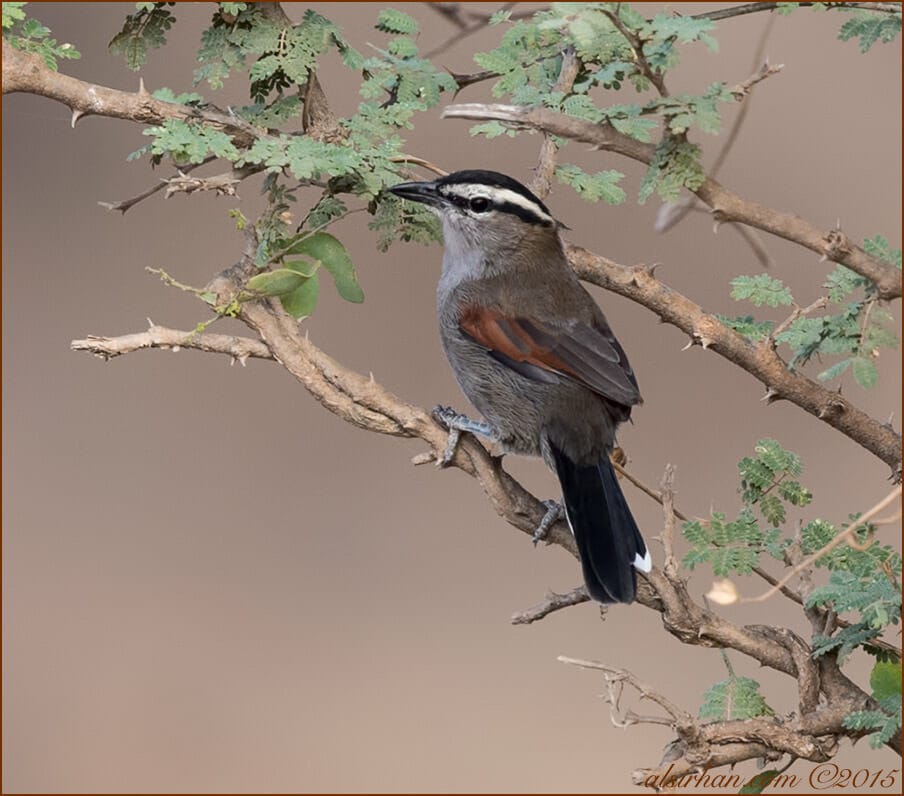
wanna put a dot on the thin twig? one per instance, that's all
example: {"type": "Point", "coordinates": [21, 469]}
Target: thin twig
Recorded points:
{"type": "Point", "coordinates": [551, 603]}
{"type": "Point", "coordinates": [752, 8]}
{"type": "Point", "coordinates": [679, 717]}
{"type": "Point", "coordinates": [636, 45]}
{"type": "Point", "coordinates": [239, 348]}
{"type": "Point", "coordinates": [647, 490]}
{"type": "Point", "coordinates": [665, 220]}
{"type": "Point", "coordinates": [126, 204]}
{"type": "Point", "coordinates": [424, 164]}
{"type": "Point", "coordinates": [667, 498]}
{"type": "Point", "coordinates": [798, 312]}
{"type": "Point", "coordinates": [846, 536]}
{"type": "Point", "coordinates": [546, 161]}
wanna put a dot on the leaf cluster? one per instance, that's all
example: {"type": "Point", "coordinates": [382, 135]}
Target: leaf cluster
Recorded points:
{"type": "Point", "coordinates": [606, 38]}
{"type": "Point", "coordinates": [734, 698]}
{"type": "Point", "coordinates": [861, 580]}
{"type": "Point", "coordinates": [885, 683]}
{"type": "Point", "coordinates": [27, 34]}
{"type": "Point", "coordinates": [855, 329]}
{"type": "Point", "coordinates": [769, 486]}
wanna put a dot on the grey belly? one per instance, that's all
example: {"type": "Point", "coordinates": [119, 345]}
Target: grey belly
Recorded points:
{"type": "Point", "coordinates": [527, 413]}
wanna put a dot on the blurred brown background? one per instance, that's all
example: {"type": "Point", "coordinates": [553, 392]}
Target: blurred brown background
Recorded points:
{"type": "Point", "coordinates": [210, 583]}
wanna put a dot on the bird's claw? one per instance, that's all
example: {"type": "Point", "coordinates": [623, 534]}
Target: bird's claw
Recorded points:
{"type": "Point", "coordinates": [554, 512]}
{"type": "Point", "coordinates": [456, 422]}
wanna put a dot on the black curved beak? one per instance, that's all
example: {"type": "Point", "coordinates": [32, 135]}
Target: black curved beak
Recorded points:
{"type": "Point", "coordinates": [424, 192]}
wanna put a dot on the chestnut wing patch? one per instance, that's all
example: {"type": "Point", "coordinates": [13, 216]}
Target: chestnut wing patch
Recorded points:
{"type": "Point", "coordinates": [587, 354]}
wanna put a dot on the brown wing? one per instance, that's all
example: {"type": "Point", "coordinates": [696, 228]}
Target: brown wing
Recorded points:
{"type": "Point", "coordinates": [588, 354]}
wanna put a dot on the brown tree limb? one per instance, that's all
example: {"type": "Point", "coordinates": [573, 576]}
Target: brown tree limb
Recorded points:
{"type": "Point", "coordinates": [725, 205]}
{"type": "Point", "coordinates": [759, 359]}
{"type": "Point", "coordinates": [753, 8]}
{"type": "Point", "coordinates": [25, 72]}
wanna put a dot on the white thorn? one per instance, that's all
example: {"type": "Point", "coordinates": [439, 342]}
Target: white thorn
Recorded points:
{"type": "Point", "coordinates": [141, 88]}
{"type": "Point", "coordinates": [76, 115]}
{"type": "Point", "coordinates": [176, 349]}
{"type": "Point", "coordinates": [690, 344]}
{"type": "Point", "coordinates": [243, 359]}
{"type": "Point", "coordinates": [151, 324]}
{"type": "Point", "coordinates": [231, 361]}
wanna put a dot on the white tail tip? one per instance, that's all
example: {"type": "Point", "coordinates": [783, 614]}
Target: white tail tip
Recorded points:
{"type": "Point", "coordinates": [644, 564]}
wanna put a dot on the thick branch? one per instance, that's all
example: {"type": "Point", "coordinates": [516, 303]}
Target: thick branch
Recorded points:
{"type": "Point", "coordinates": [28, 73]}
{"type": "Point", "coordinates": [725, 205]}
{"type": "Point", "coordinates": [760, 360]}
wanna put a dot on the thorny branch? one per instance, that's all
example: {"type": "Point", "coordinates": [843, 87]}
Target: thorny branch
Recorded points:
{"type": "Point", "coordinates": [360, 400]}
{"type": "Point", "coordinates": [363, 402]}
{"type": "Point", "coordinates": [759, 359]}
{"type": "Point", "coordinates": [725, 205]}
{"type": "Point", "coordinates": [551, 603]}
{"type": "Point", "coordinates": [239, 348]}
{"type": "Point", "coordinates": [753, 8]}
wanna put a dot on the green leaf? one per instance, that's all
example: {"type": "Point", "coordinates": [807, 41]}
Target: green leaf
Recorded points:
{"type": "Point", "coordinates": [186, 98]}
{"type": "Point", "coordinates": [143, 30]}
{"type": "Point", "coordinates": [492, 129]}
{"type": "Point", "coordinates": [879, 247]}
{"type": "Point", "coordinates": [300, 302]}
{"type": "Point", "coordinates": [865, 372]}
{"type": "Point", "coordinates": [275, 283]}
{"type": "Point", "coordinates": [759, 782]}
{"type": "Point", "coordinates": [12, 13]}
{"type": "Point", "coordinates": [842, 282]}
{"type": "Point", "coordinates": [593, 187]}
{"type": "Point", "coordinates": [734, 698]}
{"type": "Point", "coordinates": [675, 165]}
{"type": "Point", "coordinates": [885, 681]}
{"type": "Point", "coordinates": [333, 256]}
{"type": "Point", "coordinates": [389, 20]}
{"type": "Point", "coordinates": [747, 326]}
{"type": "Point", "coordinates": [760, 289]}
{"type": "Point", "coordinates": [836, 370]}
{"type": "Point", "coordinates": [871, 27]}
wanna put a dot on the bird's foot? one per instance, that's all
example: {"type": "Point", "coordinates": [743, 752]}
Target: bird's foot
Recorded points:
{"type": "Point", "coordinates": [456, 422]}
{"type": "Point", "coordinates": [554, 512]}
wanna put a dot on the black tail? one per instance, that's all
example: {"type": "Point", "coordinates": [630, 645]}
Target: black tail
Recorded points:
{"type": "Point", "coordinates": [608, 539]}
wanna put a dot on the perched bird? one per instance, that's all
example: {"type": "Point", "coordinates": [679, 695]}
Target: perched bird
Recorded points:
{"type": "Point", "coordinates": [534, 354]}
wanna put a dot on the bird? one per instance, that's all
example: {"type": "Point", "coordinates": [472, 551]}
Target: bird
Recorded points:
{"type": "Point", "coordinates": [535, 355]}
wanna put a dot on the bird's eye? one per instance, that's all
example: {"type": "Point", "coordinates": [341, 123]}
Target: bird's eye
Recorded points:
{"type": "Point", "coordinates": [479, 204]}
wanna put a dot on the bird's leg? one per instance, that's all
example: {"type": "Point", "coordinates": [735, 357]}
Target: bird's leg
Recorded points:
{"type": "Point", "coordinates": [456, 423]}
{"type": "Point", "coordinates": [554, 512]}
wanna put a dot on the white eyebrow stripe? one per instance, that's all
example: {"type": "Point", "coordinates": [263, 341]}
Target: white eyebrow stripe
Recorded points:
{"type": "Point", "coordinates": [499, 196]}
